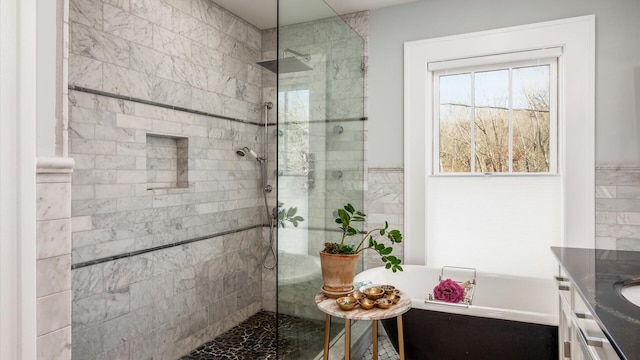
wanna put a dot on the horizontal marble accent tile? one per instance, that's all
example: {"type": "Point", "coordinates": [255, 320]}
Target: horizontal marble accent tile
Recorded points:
{"type": "Point", "coordinates": [254, 77]}
{"type": "Point", "coordinates": [53, 201]}
{"type": "Point", "coordinates": [254, 38]}
{"type": "Point", "coordinates": [93, 237]}
{"type": "Point", "coordinates": [171, 43]}
{"type": "Point", "coordinates": [83, 192]}
{"type": "Point", "coordinates": [91, 177]}
{"type": "Point", "coordinates": [53, 312]}
{"type": "Point", "coordinates": [122, 272]}
{"type": "Point", "coordinates": [184, 279]}
{"type": "Point", "coordinates": [87, 281]}
{"type": "Point", "coordinates": [618, 231]}
{"type": "Point", "coordinates": [183, 5]}
{"type": "Point", "coordinates": [172, 93]}
{"type": "Point", "coordinates": [55, 345]}
{"type": "Point", "coordinates": [126, 327]}
{"type": "Point", "coordinates": [122, 4]}
{"type": "Point", "coordinates": [628, 218]}
{"type": "Point", "coordinates": [92, 207]}
{"type": "Point", "coordinates": [150, 111]}
{"type": "Point", "coordinates": [85, 146]}
{"type": "Point", "coordinates": [127, 82]}
{"type": "Point", "coordinates": [133, 122]}
{"type": "Point", "coordinates": [207, 101]}
{"type": "Point", "coordinates": [53, 275]}
{"type": "Point", "coordinates": [53, 238]}
{"type": "Point", "coordinates": [97, 45]}
{"type": "Point", "coordinates": [102, 250]}
{"type": "Point", "coordinates": [131, 177]}
{"type": "Point", "coordinates": [134, 231]}
{"type": "Point", "coordinates": [137, 203]}
{"type": "Point", "coordinates": [222, 83]}
{"type": "Point", "coordinates": [606, 243]}
{"type": "Point", "coordinates": [235, 108]}
{"type": "Point", "coordinates": [628, 244]}
{"type": "Point", "coordinates": [144, 293]}
{"type": "Point", "coordinates": [124, 25]}
{"type": "Point", "coordinates": [115, 162]}
{"type": "Point", "coordinates": [81, 223]}
{"type": "Point", "coordinates": [206, 57]}
{"type": "Point", "coordinates": [617, 178]}
{"type": "Point", "coordinates": [98, 308]}
{"type": "Point", "coordinates": [629, 205]}
{"type": "Point", "coordinates": [115, 134]}
{"type": "Point", "coordinates": [235, 68]}
{"type": "Point", "coordinates": [114, 191]}
{"type": "Point", "coordinates": [120, 352]}
{"type": "Point", "coordinates": [190, 74]}
{"type": "Point", "coordinates": [87, 343]}
{"type": "Point", "coordinates": [86, 12]}
{"type": "Point", "coordinates": [628, 192]}
{"type": "Point", "coordinates": [194, 130]}
{"type": "Point", "coordinates": [606, 217]}
{"type": "Point", "coordinates": [85, 72]}
{"type": "Point", "coordinates": [109, 106]}
{"type": "Point", "coordinates": [135, 149]}
{"type": "Point", "coordinates": [151, 62]}
{"type": "Point", "coordinates": [207, 12]}
{"type": "Point", "coordinates": [189, 27]}
{"type": "Point", "coordinates": [234, 27]}
{"type": "Point", "coordinates": [155, 11]}
{"type": "Point", "coordinates": [190, 324]}
{"type": "Point", "coordinates": [81, 130]}
{"type": "Point", "coordinates": [605, 192]}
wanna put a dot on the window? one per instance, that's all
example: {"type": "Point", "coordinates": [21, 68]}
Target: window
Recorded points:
{"type": "Point", "coordinates": [501, 224]}
{"type": "Point", "coordinates": [293, 114]}
{"type": "Point", "coordinates": [497, 119]}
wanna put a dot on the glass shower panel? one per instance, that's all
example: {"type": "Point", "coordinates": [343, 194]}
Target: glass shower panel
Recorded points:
{"type": "Point", "coordinates": [320, 156]}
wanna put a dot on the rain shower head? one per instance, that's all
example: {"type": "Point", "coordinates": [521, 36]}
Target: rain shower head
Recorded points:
{"type": "Point", "coordinates": [288, 64]}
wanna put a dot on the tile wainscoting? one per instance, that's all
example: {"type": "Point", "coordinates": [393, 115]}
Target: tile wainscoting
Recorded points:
{"type": "Point", "coordinates": [618, 206]}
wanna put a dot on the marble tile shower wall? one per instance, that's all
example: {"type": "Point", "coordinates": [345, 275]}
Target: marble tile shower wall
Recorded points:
{"type": "Point", "coordinates": [184, 53]}
{"type": "Point", "coordinates": [385, 202]}
{"type": "Point", "coordinates": [618, 207]}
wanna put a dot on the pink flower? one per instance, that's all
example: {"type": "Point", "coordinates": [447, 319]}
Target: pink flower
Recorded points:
{"type": "Point", "coordinates": [449, 291]}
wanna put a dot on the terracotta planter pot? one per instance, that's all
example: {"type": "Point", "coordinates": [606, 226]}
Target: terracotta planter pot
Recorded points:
{"type": "Point", "coordinates": [338, 271]}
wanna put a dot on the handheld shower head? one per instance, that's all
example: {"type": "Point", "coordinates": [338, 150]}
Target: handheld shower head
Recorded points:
{"type": "Point", "coordinates": [245, 150]}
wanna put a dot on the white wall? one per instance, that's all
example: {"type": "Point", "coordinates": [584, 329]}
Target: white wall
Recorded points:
{"type": "Point", "coordinates": [46, 71]}
{"type": "Point", "coordinates": [617, 63]}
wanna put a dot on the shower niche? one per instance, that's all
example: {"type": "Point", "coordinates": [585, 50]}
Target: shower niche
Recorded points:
{"type": "Point", "coordinates": [167, 162]}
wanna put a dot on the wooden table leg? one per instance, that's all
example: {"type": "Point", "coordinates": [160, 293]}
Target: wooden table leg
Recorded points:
{"type": "Point", "coordinates": [400, 337]}
{"type": "Point", "coordinates": [375, 339]}
{"type": "Point", "coordinates": [327, 333]}
{"type": "Point", "coordinates": [347, 339]}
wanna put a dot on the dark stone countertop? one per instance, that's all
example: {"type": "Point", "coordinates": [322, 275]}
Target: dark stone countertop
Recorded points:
{"type": "Point", "coordinates": [597, 275]}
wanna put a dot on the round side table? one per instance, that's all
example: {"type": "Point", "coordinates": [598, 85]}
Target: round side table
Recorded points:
{"type": "Point", "coordinates": [330, 307]}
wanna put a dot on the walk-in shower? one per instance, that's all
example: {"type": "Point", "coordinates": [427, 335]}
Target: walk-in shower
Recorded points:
{"type": "Point", "coordinates": [174, 234]}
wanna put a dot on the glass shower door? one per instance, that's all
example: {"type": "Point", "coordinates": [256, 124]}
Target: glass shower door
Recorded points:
{"type": "Point", "coordinates": [320, 130]}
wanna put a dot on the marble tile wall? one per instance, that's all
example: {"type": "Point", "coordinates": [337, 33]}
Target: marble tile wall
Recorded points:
{"type": "Point", "coordinates": [53, 258]}
{"type": "Point", "coordinates": [189, 54]}
{"type": "Point", "coordinates": [618, 207]}
{"type": "Point", "coordinates": [385, 202]}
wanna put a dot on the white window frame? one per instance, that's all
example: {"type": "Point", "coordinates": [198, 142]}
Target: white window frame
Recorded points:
{"type": "Point", "coordinates": [576, 96]}
{"type": "Point", "coordinates": [471, 66]}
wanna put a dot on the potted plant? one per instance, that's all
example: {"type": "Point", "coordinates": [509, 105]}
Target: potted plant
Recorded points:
{"type": "Point", "coordinates": [339, 259]}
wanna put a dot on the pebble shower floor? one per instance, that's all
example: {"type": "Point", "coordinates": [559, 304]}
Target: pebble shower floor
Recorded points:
{"type": "Point", "coordinates": [255, 339]}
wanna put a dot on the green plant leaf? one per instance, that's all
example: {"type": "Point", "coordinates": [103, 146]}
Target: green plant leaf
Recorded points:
{"type": "Point", "coordinates": [349, 208]}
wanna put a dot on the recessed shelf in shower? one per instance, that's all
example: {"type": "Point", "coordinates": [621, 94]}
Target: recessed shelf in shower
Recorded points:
{"type": "Point", "coordinates": [167, 162]}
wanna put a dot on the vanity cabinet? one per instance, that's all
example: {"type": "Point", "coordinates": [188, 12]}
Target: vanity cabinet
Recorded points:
{"type": "Point", "coordinates": [579, 334]}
